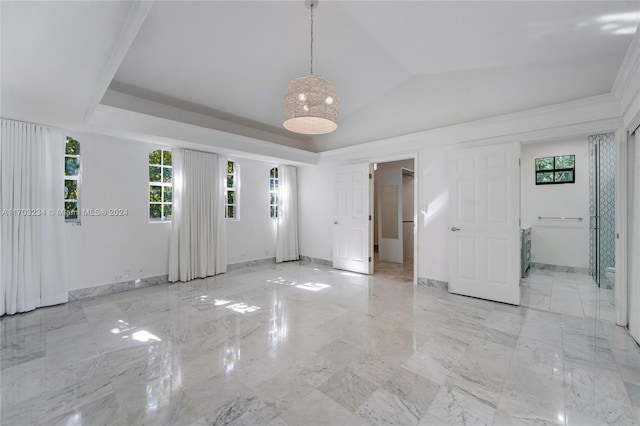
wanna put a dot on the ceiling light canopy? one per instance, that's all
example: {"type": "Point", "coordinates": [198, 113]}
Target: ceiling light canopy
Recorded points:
{"type": "Point", "coordinates": [311, 102]}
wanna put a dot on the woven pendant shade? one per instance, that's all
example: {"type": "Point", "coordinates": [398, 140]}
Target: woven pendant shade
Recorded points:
{"type": "Point", "coordinates": [311, 102]}
{"type": "Point", "coordinates": [311, 106]}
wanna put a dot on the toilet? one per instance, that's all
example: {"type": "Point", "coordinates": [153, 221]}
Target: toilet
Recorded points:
{"type": "Point", "coordinates": [611, 273]}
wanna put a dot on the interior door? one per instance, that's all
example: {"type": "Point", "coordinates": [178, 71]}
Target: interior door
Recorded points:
{"type": "Point", "coordinates": [484, 232]}
{"type": "Point", "coordinates": [352, 226]}
{"type": "Point", "coordinates": [390, 240]}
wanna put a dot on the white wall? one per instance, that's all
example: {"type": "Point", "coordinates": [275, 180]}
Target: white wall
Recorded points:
{"type": "Point", "coordinates": [105, 250]}
{"type": "Point", "coordinates": [433, 196]}
{"type": "Point", "coordinates": [253, 236]}
{"type": "Point", "coordinates": [315, 211]}
{"type": "Point", "coordinates": [432, 180]}
{"type": "Point", "coordinates": [557, 242]}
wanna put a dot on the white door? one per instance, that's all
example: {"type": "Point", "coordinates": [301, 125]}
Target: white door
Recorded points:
{"type": "Point", "coordinates": [352, 226]}
{"type": "Point", "coordinates": [484, 232]}
{"type": "Point", "coordinates": [633, 243]}
{"type": "Point", "coordinates": [389, 182]}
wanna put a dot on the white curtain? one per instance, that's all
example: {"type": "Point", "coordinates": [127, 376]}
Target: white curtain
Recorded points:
{"type": "Point", "coordinates": [198, 244]}
{"type": "Point", "coordinates": [31, 223]}
{"type": "Point", "coordinates": [287, 239]}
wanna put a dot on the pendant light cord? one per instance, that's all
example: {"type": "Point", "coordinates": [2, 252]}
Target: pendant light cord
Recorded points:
{"type": "Point", "coordinates": [311, 65]}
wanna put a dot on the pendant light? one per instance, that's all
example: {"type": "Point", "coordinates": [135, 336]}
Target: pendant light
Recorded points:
{"type": "Point", "coordinates": [311, 102]}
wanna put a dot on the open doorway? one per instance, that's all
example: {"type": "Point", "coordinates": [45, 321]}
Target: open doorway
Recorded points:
{"type": "Point", "coordinates": [394, 219]}
{"type": "Point", "coordinates": [568, 226]}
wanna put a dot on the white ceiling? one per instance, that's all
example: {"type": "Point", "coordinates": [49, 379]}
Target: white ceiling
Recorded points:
{"type": "Point", "coordinates": [399, 67]}
{"type": "Point", "coordinates": [53, 55]}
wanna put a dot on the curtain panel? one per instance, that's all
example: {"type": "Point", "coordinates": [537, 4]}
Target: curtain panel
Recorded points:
{"type": "Point", "coordinates": [31, 221]}
{"type": "Point", "coordinates": [198, 233]}
{"type": "Point", "coordinates": [287, 234]}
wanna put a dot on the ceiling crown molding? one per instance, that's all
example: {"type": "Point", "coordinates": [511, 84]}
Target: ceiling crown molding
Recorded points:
{"type": "Point", "coordinates": [142, 127]}
{"type": "Point", "coordinates": [135, 19]}
{"type": "Point", "coordinates": [628, 73]}
{"type": "Point", "coordinates": [594, 114]}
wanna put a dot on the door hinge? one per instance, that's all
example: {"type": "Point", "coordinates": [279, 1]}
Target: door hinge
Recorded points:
{"type": "Point", "coordinates": [519, 222]}
{"type": "Point", "coordinates": [370, 176]}
{"type": "Point", "coordinates": [369, 217]}
{"type": "Point", "coordinates": [519, 162]}
{"type": "Point", "coordinates": [369, 258]}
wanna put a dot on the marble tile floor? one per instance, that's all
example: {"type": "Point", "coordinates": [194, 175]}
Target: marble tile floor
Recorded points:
{"type": "Point", "coordinates": [394, 270]}
{"type": "Point", "coordinates": [567, 292]}
{"type": "Point", "coordinates": [299, 344]}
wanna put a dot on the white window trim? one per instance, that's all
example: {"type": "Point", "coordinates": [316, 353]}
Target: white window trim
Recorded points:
{"type": "Point", "coordinates": [273, 191]}
{"type": "Point", "coordinates": [236, 189]}
{"type": "Point", "coordinates": [77, 178]}
{"type": "Point", "coordinates": [162, 184]}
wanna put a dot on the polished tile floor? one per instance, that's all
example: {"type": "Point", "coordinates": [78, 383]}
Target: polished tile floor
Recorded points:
{"type": "Point", "coordinates": [569, 293]}
{"type": "Point", "coordinates": [297, 344]}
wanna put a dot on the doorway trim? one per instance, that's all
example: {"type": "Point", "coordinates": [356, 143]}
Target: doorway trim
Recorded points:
{"type": "Point", "coordinates": [622, 183]}
{"type": "Point", "coordinates": [622, 204]}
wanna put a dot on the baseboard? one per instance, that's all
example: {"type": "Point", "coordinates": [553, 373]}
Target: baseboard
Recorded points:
{"type": "Point", "coordinates": [250, 263]}
{"type": "Point", "coordinates": [317, 261]}
{"type": "Point", "coordinates": [560, 268]}
{"type": "Point", "coordinates": [103, 290]}
{"type": "Point", "coordinates": [428, 282]}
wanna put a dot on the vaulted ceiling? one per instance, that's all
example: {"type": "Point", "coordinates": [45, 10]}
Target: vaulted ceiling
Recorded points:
{"type": "Point", "coordinates": [399, 66]}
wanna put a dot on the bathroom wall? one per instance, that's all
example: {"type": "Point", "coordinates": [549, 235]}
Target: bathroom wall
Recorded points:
{"type": "Point", "coordinates": [557, 242]}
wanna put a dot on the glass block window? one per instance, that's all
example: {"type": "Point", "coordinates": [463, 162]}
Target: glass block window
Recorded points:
{"type": "Point", "coordinates": [231, 195]}
{"type": "Point", "coordinates": [160, 185]}
{"type": "Point", "coordinates": [555, 170]}
{"type": "Point", "coordinates": [273, 193]}
{"type": "Point", "coordinates": [71, 180]}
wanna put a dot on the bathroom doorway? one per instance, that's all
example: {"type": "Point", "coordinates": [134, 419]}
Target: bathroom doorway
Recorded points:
{"type": "Point", "coordinates": [572, 226]}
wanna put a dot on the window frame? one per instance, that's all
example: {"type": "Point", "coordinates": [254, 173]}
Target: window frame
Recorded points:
{"type": "Point", "coordinates": [77, 178]}
{"type": "Point", "coordinates": [162, 184]}
{"type": "Point", "coordinates": [235, 189]}
{"type": "Point", "coordinates": [273, 192]}
{"type": "Point", "coordinates": [555, 170]}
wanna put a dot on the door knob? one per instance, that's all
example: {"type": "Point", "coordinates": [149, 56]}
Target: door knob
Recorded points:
{"type": "Point", "coordinates": [335, 222]}
{"type": "Point", "coordinates": [454, 229]}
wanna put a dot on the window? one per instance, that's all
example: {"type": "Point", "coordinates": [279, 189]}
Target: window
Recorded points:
{"type": "Point", "coordinates": [273, 193]}
{"type": "Point", "coordinates": [555, 170]}
{"type": "Point", "coordinates": [71, 180]}
{"type": "Point", "coordinates": [160, 185]}
{"type": "Point", "coordinates": [231, 199]}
